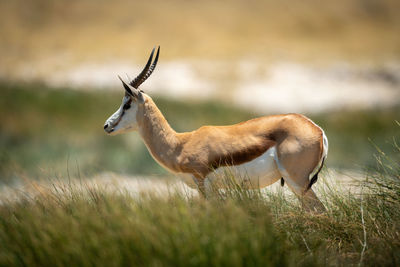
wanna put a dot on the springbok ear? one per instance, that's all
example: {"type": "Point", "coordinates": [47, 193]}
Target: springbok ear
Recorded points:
{"type": "Point", "coordinates": [128, 90]}
{"type": "Point", "coordinates": [133, 92]}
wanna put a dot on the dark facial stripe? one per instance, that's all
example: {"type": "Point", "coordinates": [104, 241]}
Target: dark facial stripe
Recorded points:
{"type": "Point", "coordinates": [123, 112]}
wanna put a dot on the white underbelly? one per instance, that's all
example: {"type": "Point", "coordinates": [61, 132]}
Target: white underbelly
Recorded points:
{"type": "Point", "coordinates": [258, 173]}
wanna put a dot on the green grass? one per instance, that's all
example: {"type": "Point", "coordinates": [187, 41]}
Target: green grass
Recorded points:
{"type": "Point", "coordinates": [95, 227]}
{"type": "Point", "coordinates": [354, 135]}
{"type": "Point", "coordinates": [47, 133]}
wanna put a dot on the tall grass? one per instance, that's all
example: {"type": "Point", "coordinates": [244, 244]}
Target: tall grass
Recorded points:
{"type": "Point", "coordinates": [237, 227]}
{"type": "Point", "coordinates": [96, 228]}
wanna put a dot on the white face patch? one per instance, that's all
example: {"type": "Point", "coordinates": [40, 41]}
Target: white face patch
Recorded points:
{"type": "Point", "coordinates": [124, 119]}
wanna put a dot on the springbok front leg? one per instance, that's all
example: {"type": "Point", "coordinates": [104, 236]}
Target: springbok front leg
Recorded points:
{"type": "Point", "coordinates": [201, 187]}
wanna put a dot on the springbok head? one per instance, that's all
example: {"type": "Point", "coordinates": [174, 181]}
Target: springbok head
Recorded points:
{"type": "Point", "coordinates": [124, 119]}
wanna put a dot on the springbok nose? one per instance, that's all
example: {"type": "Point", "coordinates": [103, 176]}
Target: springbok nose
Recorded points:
{"type": "Point", "coordinates": [106, 126]}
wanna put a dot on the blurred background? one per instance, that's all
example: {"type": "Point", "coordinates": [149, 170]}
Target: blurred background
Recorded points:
{"type": "Point", "coordinates": [221, 62]}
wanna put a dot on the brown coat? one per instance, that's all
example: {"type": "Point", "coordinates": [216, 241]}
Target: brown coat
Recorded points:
{"type": "Point", "coordinates": [297, 139]}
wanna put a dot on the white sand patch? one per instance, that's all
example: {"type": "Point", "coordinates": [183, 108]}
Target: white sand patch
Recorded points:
{"type": "Point", "coordinates": [277, 88]}
{"type": "Point", "coordinates": [297, 88]}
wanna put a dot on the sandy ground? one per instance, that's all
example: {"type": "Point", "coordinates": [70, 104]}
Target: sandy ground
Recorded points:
{"type": "Point", "coordinates": [267, 88]}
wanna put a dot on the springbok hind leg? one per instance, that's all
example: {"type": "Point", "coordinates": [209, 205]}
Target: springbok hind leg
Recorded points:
{"type": "Point", "coordinates": [312, 202]}
{"type": "Point", "coordinates": [296, 168]}
{"type": "Point", "coordinates": [308, 198]}
{"type": "Point", "coordinates": [298, 184]}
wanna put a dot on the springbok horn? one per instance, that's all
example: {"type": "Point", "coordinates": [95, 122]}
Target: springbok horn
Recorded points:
{"type": "Point", "coordinates": [146, 72]}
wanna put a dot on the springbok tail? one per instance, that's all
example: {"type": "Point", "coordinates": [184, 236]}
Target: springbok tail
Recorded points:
{"type": "Point", "coordinates": [315, 177]}
{"type": "Point", "coordinates": [321, 163]}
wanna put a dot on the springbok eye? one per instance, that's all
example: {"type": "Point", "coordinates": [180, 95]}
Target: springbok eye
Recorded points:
{"type": "Point", "coordinates": [127, 105]}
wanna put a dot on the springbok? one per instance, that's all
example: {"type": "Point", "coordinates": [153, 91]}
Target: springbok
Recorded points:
{"type": "Point", "coordinates": [263, 150]}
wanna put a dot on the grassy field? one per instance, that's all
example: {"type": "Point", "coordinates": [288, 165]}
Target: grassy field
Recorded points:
{"type": "Point", "coordinates": [56, 135]}
{"type": "Point", "coordinates": [95, 227]}
{"type": "Point", "coordinates": [46, 132]}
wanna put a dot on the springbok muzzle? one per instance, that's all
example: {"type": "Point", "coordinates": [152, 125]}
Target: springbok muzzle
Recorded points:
{"type": "Point", "coordinates": [113, 121]}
